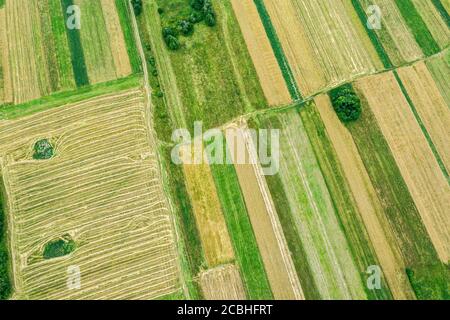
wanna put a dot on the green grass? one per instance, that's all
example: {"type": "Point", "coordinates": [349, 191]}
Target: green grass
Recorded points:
{"type": "Point", "coordinates": [5, 281]}
{"type": "Point", "coordinates": [11, 112]}
{"type": "Point", "coordinates": [397, 202]}
{"type": "Point", "coordinates": [2, 3]}
{"type": "Point", "coordinates": [76, 50]}
{"type": "Point", "coordinates": [444, 14]}
{"type": "Point", "coordinates": [430, 282]}
{"type": "Point", "coordinates": [372, 35]}
{"type": "Point", "coordinates": [125, 22]}
{"type": "Point", "coordinates": [241, 232]}
{"type": "Point", "coordinates": [422, 126]}
{"type": "Point", "coordinates": [59, 248]}
{"type": "Point", "coordinates": [278, 51]}
{"type": "Point", "coordinates": [439, 67]}
{"type": "Point", "coordinates": [350, 220]}
{"type": "Point", "coordinates": [418, 27]}
{"type": "Point", "coordinates": [215, 77]}
{"type": "Point", "coordinates": [194, 255]}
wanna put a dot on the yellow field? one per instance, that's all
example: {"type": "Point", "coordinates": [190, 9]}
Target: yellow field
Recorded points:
{"type": "Point", "coordinates": [268, 232]}
{"type": "Point", "coordinates": [321, 42]}
{"type": "Point", "coordinates": [5, 93]}
{"type": "Point", "coordinates": [369, 205]}
{"type": "Point", "coordinates": [269, 73]}
{"type": "Point", "coordinates": [222, 283]}
{"type": "Point", "coordinates": [103, 188]}
{"type": "Point", "coordinates": [116, 39]}
{"type": "Point", "coordinates": [430, 105]}
{"type": "Point", "coordinates": [420, 170]}
{"type": "Point", "coordinates": [208, 214]}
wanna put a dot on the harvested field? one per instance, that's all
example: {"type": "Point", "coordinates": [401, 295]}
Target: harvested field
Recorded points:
{"type": "Point", "coordinates": [369, 205]}
{"type": "Point", "coordinates": [434, 21]}
{"type": "Point", "coordinates": [208, 213]}
{"type": "Point", "coordinates": [322, 42]}
{"type": "Point", "coordinates": [5, 82]}
{"type": "Point", "coordinates": [116, 39]}
{"type": "Point", "coordinates": [103, 188]}
{"type": "Point", "coordinates": [397, 39]}
{"type": "Point", "coordinates": [222, 283]}
{"type": "Point", "coordinates": [311, 211]}
{"type": "Point", "coordinates": [266, 226]}
{"type": "Point", "coordinates": [420, 170]}
{"type": "Point", "coordinates": [430, 106]}
{"type": "Point", "coordinates": [260, 50]}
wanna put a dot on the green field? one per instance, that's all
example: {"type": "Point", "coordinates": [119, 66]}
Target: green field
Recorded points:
{"type": "Point", "coordinates": [5, 281]}
{"type": "Point", "coordinates": [439, 67]}
{"type": "Point", "coordinates": [241, 232]}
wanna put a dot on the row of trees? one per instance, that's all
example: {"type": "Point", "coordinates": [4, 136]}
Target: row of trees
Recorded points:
{"type": "Point", "coordinates": [202, 10]}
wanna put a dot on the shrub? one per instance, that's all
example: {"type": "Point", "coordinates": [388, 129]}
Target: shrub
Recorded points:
{"type": "Point", "coordinates": [43, 150]}
{"type": "Point", "coordinates": [59, 248]}
{"type": "Point", "coordinates": [346, 103]}
{"type": "Point", "coordinates": [160, 10]}
{"type": "Point", "coordinates": [186, 27]}
{"type": "Point", "coordinates": [195, 17]}
{"type": "Point", "coordinates": [137, 6]}
{"type": "Point", "coordinates": [197, 4]}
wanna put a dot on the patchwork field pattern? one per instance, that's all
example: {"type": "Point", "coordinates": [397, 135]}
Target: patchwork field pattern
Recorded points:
{"type": "Point", "coordinates": [103, 188]}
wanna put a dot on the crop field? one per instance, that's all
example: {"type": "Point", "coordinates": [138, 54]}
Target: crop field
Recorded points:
{"type": "Point", "coordinates": [430, 106]}
{"type": "Point", "coordinates": [211, 77]}
{"type": "Point", "coordinates": [44, 56]}
{"type": "Point", "coordinates": [324, 43]}
{"type": "Point", "coordinates": [222, 283]}
{"type": "Point", "coordinates": [102, 189]}
{"type": "Point", "coordinates": [258, 44]}
{"type": "Point", "coordinates": [439, 68]}
{"type": "Point", "coordinates": [4, 78]}
{"type": "Point", "coordinates": [423, 176]}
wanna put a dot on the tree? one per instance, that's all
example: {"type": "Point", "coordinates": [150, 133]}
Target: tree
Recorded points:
{"type": "Point", "coordinates": [172, 42]}
{"type": "Point", "coordinates": [197, 4]}
{"type": "Point", "coordinates": [137, 6]}
{"type": "Point", "coordinates": [346, 104]}
{"type": "Point", "coordinates": [43, 150]}
{"type": "Point", "coordinates": [186, 27]}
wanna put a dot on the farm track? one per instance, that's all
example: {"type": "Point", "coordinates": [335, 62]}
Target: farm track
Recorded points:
{"type": "Point", "coordinates": [414, 157]}
{"type": "Point", "coordinates": [118, 214]}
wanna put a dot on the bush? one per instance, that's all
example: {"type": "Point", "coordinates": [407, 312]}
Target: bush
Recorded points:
{"type": "Point", "coordinates": [346, 103]}
{"type": "Point", "coordinates": [59, 248]}
{"type": "Point", "coordinates": [160, 10]}
{"type": "Point", "coordinates": [43, 150]}
{"type": "Point", "coordinates": [137, 7]}
{"type": "Point", "coordinates": [197, 4]}
{"type": "Point", "coordinates": [195, 17]}
{"type": "Point", "coordinates": [186, 27]}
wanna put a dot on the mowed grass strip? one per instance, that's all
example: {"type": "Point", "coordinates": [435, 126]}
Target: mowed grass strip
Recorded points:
{"type": "Point", "coordinates": [439, 67]}
{"type": "Point", "coordinates": [418, 27]}
{"type": "Point", "coordinates": [76, 49]}
{"type": "Point", "coordinates": [410, 234]}
{"type": "Point", "coordinates": [343, 200]}
{"type": "Point", "coordinates": [125, 22]}
{"type": "Point", "coordinates": [241, 232]}
{"type": "Point", "coordinates": [435, 22]}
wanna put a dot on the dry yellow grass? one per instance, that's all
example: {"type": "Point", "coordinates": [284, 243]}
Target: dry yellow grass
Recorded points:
{"type": "Point", "coordinates": [430, 105]}
{"type": "Point", "coordinates": [268, 231]}
{"type": "Point", "coordinates": [434, 22]}
{"type": "Point", "coordinates": [222, 283]}
{"type": "Point", "coordinates": [370, 208]}
{"type": "Point", "coordinates": [208, 213]}
{"type": "Point", "coordinates": [418, 166]}
{"type": "Point", "coordinates": [103, 188]}
{"type": "Point", "coordinates": [116, 39]}
{"type": "Point", "coordinates": [266, 65]}
{"type": "Point", "coordinates": [446, 4]}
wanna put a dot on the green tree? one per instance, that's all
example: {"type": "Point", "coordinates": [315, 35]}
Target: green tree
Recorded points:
{"type": "Point", "coordinates": [43, 150]}
{"type": "Point", "coordinates": [137, 6]}
{"type": "Point", "coordinates": [346, 103]}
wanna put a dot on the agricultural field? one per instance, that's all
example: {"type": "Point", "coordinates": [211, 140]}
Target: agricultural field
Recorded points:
{"type": "Point", "coordinates": [42, 56]}
{"type": "Point", "coordinates": [224, 150]}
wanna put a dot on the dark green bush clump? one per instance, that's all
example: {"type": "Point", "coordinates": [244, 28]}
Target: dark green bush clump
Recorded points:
{"type": "Point", "coordinates": [346, 103]}
{"type": "Point", "coordinates": [137, 6]}
{"type": "Point", "coordinates": [170, 37]}
{"type": "Point", "coordinates": [43, 150]}
{"type": "Point", "coordinates": [59, 248]}
{"type": "Point", "coordinates": [186, 27]}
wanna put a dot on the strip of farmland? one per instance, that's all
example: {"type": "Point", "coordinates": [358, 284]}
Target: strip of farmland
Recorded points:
{"type": "Point", "coordinates": [259, 47]}
{"type": "Point", "coordinates": [369, 205]}
{"type": "Point", "coordinates": [430, 106]}
{"type": "Point", "coordinates": [241, 232]}
{"type": "Point", "coordinates": [5, 273]}
{"type": "Point", "coordinates": [312, 212]}
{"type": "Point", "coordinates": [321, 42]}
{"type": "Point", "coordinates": [439, 67]}
{"type": "Point", "coordinates": [208, 213]}
{"type": "Point", "coordinates": [394, 34]}
{"type": "Point", "coordinates": [222, 283]}
{"type": "Point", "coordinates": [434, 21]}
{"type": "Point", "coordinates": [116, 39]}
{"type": "Point", "coordinates": [104, 175]}
{"type": "Point", "coordinates": [415, 159]}
{"type": "Point", "coordinates": [443, 6]}
{"type": "Point", "coordinates": [268, 232]}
